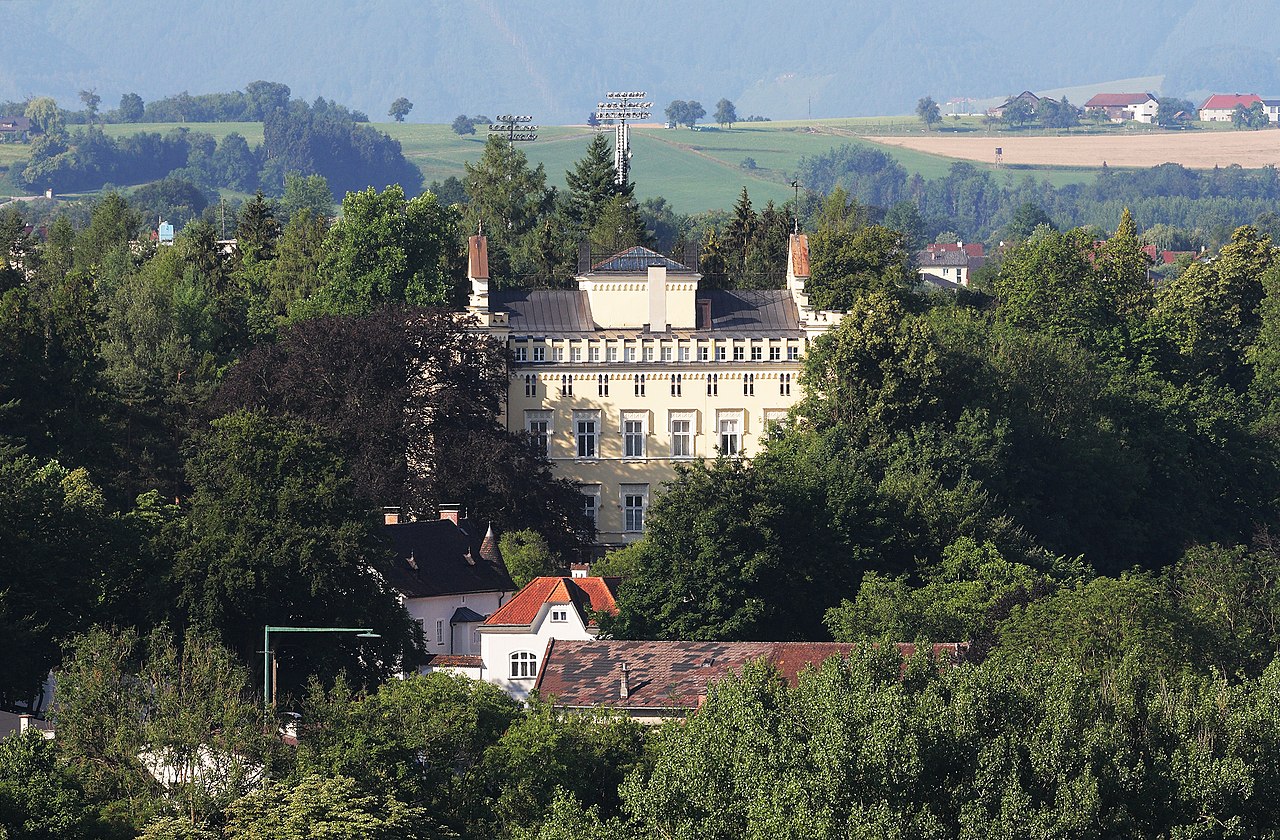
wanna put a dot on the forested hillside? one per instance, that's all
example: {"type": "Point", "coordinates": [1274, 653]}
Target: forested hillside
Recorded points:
{"type": "Point", "coordinates": [869, 57]}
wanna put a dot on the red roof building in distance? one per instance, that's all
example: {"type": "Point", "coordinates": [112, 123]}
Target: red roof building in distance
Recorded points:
{"type": "Point", "coordinates": [655, 681]}
{"type": "Point", "coordinates": [1220, 106]}
{"type": "Point", "coordinates": [587, 595]}
{"type": "Point", "coordinates": [971, 249]}
{"type": "Point", "coordinates": [1141, 107]}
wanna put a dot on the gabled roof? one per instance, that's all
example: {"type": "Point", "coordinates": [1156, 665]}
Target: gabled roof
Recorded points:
{"type": "Point", "coordinates": [973, 249]}
{"type": "Point", "coordinates": [799, 252]}
{"type": "Point", "coordinates": [675, 675]}
{"type": "Point", "coordinates": [1117, 100]}
{"type": "Point", "coordinates": [536, 311]}
{"type": "Point", "coordinates": [15, 124]}
{"type": "Point", "coordinates": [954, 257]}
{"type": "Point", "coordinates": [436, 557]}
{"type": "Point", "coordinates": [744, 310]}
{"type": "Point", "coordinates": [637, 260]}
{"type": "Point", "coordinates": [1228, 101]}
{"type": "Point", "coordinates": [586, 594]}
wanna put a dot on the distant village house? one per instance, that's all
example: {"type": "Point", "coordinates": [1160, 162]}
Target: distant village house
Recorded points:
{"type": "Point", "coordinates": [1221, 106]}
{"type": "Point", "coordinates": [1122, 107]}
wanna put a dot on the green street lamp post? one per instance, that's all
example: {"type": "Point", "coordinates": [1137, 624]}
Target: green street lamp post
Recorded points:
{"type": "Point", "coordinates": [268, 695]}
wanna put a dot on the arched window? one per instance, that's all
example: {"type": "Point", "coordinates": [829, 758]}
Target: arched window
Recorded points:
{"type": "Point", "coordinates": [523, 664]}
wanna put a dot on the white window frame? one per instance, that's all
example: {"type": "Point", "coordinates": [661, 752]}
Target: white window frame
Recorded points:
{"type": "Point", "coordinates": [737, 421]}
{"type": "Point", "coordinates": [539, 352]}
{"type": "Point", "coordinates": [439, 631]}
{"type": "Point", "coordinates": [757, 353]}
{"type": "Point", "coordinates": [690, 433]}
{"type": "Point", "coordinates": [540, 416]}
{"type": "Point", "coordinates": [592, 417]}
{"type": "Point", "coordinates": [524, 665]}
{"type": "Point", "coordinates": [591, 503]}
{"type": "Point", "coordinates": [633, 517]}
{"type": "Point", "coordinates": [559, 615]}
{"type": "Point", "coordinates": [775, 353]}
{"type": "Point", "coordinates": [640, 418]}
{"type": "Point", "coordinates": [530, 385]}
{"type": "Point", "coordinates": [521, 353]}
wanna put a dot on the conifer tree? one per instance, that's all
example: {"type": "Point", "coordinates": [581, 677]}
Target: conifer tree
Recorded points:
{"type": "Point", "coordinates": [592, 183]}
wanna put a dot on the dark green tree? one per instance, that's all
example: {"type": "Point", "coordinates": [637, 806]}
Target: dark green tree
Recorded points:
{"type": "Point", "coordinates": [726, 114]}
{"type": "Point", "coordinates": [463, 125]}
{"type": "Point", "coordinates": [131, 108]}
{"type": "Point", "coordinates": [928, 111]}
{"type": "Point", "coordinates": [400, 109]}
{"type": "Point", "coordinates": [592, 182]}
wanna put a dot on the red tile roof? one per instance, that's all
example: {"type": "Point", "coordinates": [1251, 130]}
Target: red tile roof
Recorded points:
{"type": "Point", "coordinates": [675, 675]}
{"type": "Point", "coordinates": [1117, 100]}
{"type": "Point", "coordinates": [973, 249]}
{"type": "Point", "coordinates": [1228, 101]}
{"type": "Point", "coordinates": [455, 660]}
{"type": "Point", "coordinates": [594, 594]}
{"type": "Point", "coordinates": [800, 255]}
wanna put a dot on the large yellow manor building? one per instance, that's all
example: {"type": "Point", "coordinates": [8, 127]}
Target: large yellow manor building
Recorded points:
{"type": "Point", "coordinates": [638, 370]}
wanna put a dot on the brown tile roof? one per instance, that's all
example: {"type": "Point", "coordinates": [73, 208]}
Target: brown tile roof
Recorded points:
{"type": "Point", "coordinates": [446, 660]}
{"type": "Point", "coordinates": [478, 257]}
{"type": "Point", "coordinates": [800, 255]}
{"type": "Point", "coordinates": [586, 594]}
{"type": "Point", "coordinates": [674, 675]}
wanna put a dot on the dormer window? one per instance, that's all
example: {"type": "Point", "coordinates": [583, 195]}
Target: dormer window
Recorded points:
{"type": "Point", "coordinates": [559, 615]}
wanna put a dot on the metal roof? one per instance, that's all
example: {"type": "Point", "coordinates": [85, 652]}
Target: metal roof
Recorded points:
{"type": "Point", "coordinates": [537, 311]}
{"type": "Point", "coordinates": [747, 310]}
{"type": "Point", "coordinates": [637, 261]}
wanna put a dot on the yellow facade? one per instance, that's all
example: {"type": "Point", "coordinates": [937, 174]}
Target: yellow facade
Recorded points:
{"type": "Point", "coordinates": [638, 371]}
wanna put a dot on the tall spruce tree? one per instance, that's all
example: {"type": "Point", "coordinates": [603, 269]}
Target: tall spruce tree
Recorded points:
{"type": "Point", "coordinates": [592, 183]}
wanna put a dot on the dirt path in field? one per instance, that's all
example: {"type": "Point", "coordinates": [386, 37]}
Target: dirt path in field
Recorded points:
{"type": "Point", "coordinates": [1250, 149]}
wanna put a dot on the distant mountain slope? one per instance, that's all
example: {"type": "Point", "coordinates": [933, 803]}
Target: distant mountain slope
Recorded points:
{"type": "Point", "coordinates": [553, 60]}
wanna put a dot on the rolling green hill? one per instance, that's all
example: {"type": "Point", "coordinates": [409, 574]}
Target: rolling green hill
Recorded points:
{"type": "Point", "coordinates": [693, 170]}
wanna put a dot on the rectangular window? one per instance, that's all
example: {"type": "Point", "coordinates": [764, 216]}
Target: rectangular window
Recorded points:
{"type": "Point", "coordinates": [612, 354]}
{"type": "Point", "coordinates": [538, 436]}
{"type": "Point", "coordinates": [630, 354]}
{"type": "Point", "coordinates": [633, 438]}
{"type": "Point", "coordinates": [730, 437]}
{"type": "Point", "coordinates": [594, 353]}
{"type": "Point", "coordinates": [559, 354]}
{"type": "Point", "coordinates": [749, 385]}
{"type": "Point", "coordinates": [793, 353]}
{"type": "Point", "coordinates": [667, 353]}
{"type": "Point", "coordinates": [566, 386]}
{"type": "Point", "coordinates": [684, 353]}
{"type": "Point", "coordinates": [586, 438]}
{"type": "Point", "coordinates": [677, 383]}
{"type": "Point", "coordinates": [439, 631]}
{"type": "Point", "coordinates": [775, 354]}
{"type": "Point", "coordinates": [639, 384]}
{"type": "Point", "coordinates": [522, 353]}
{"type": "Point", "coordinates": [634, 501]}
{"type": "Point", "coordinates": [738, 353]}
{"type": "Point", "coordinates": [713, 385]}
{"type": "Point", "coordinates": [602, 385]}
{"type": "Point", "coordinates": [539, 353]}
{"type": "Point", "coordinates": [784, 385]}
{"type": "Point", "coordinates": [576, 353]}
{"type": "Point", "coordinates": [721, 353]}
{"type": "Point", "coordinates": [648, 354]}
{"type": "Point", "coordinates": [591, 508]}
{"type": "Point", "coordinates": [681, 439]}
{"type": "Point", "coordinates": [559, 614]}
{"type": "Point", "coordinates": [704, 353]}
{"type": "Point", "coordinates": [530, 386]}
{"type": "Point", "coordinates": [757, 352]}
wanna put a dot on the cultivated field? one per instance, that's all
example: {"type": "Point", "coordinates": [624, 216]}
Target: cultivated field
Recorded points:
{"type": "Point", "coordinates": [1250, 149]}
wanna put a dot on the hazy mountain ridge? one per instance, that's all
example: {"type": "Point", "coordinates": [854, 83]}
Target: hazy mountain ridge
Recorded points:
{"type": "Point", "coordinates": [553, 61]}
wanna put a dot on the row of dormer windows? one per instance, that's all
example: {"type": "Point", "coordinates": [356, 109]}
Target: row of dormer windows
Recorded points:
{"type": "Point", "coordinates": [631, 350]}
{"type": "Point", "coordinates": [640, 383]}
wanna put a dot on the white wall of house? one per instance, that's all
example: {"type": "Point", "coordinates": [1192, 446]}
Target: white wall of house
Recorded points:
{"type": "Point", "coordinates": [1144, 112]}
{"type": "Point", "coordinates": [497, 644]}
{"type": "Point", "coordinates": [956, 274]}
{"type": "Point", "coordinates": [1216, 115]}
{"type": "Point", "coordinates": [434, 613]}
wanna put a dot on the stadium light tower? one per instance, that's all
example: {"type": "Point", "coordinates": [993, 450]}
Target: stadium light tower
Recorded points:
{"type": "Point", "coordinates": [519, 129]}
{"type": "Point", "coordinates": [620, 107]}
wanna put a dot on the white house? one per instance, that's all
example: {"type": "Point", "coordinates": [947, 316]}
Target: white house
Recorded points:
{"type": "Point", "coordinates": [1119, 107]}
{"type": "Point", "coordinates": [514, 640]}
{"type": "Point", "coordinates": [451, 577]}
{"type": "Point", "coordinates": [1221, 106]}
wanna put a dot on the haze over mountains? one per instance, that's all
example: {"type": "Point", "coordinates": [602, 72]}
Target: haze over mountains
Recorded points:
{"type": "Point", "coordinates": [553, 60]}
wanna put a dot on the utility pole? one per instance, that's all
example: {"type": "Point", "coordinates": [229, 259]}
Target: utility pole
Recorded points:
{"type": "Point", "coordinates": [620, 107]}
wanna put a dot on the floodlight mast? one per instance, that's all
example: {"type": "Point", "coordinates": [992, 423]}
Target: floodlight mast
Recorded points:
{"type": "Point", "coordinates": [518, 128]}
{"type": "Point", "coordinates": [623, 106]}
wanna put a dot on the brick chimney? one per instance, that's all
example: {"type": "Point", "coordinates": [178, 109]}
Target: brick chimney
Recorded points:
{"type": "Point", "coordinates": [451, 512]}
{"type": "Point", "coordinates": [624, 690]}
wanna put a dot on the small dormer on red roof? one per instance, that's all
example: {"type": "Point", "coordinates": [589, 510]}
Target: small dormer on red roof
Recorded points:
{"type": "Point", "coordinates": [588, 595]}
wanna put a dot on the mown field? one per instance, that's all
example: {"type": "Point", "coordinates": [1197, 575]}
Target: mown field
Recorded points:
{"type": "Point", "coordinates": [706, 169]}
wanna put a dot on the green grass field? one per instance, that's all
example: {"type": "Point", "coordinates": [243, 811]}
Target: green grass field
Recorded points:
{"type": "Point", "coordinates": [693, 170]}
